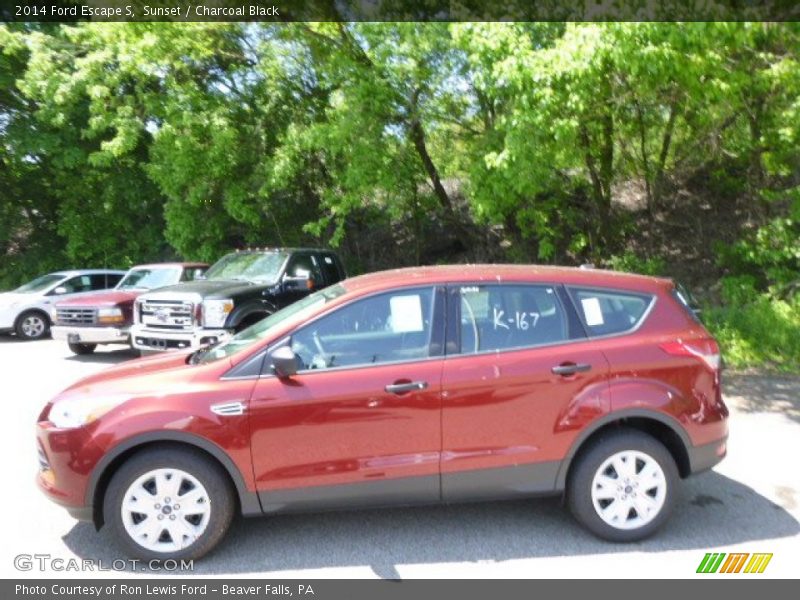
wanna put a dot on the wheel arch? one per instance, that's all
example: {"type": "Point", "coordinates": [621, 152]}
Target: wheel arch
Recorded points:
{"type": "Point", "coordinates": [114, 458]}
{"type": "Point", "coordinates": [33, 309]}
{"type": "Point", "coordinates": [247, 311]}
{"type": "Point", "coordinates": [664, 428]}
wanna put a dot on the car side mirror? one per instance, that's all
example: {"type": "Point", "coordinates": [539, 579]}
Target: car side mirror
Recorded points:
{"type": "Point", "coordinates": [298, 283]}
{"type": "Point", "coordinates": [284, 362]}
{"type": "Point", "coordinates": [60, 290]}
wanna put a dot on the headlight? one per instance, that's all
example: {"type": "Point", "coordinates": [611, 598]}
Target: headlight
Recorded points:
{"type": "Point", "coordinates": [215, 312]}
{"type": "Point", "coordinates": [110, 315]}
{"type": "Point", "coordinates": [75, 412]}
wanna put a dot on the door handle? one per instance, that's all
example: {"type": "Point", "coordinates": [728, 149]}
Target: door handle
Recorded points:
{"type": "Point", "coordinates": [402, 388]}
{"type": "Point", "coordinates": [571, 368]}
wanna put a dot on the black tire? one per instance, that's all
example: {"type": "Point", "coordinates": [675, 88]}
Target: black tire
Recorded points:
{"type": "Point", "coordinates": [589, 461]}
{"type": "Point", "coordinates": [82, 349]}
{"type": "Point", "coordinates": [249, 320]}
{"type": "Point", "coordinates": [212, 477]}
{"type": "Point", "coordinates": [32, 325]}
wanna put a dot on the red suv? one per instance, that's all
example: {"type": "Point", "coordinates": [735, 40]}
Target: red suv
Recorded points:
{"type": "Point", "coordinates": [422, 385]}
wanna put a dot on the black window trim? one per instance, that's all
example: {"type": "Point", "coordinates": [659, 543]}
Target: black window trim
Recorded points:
{"type": "Point", "coordinates": [453, 340]}
{"type": "Point", "coordinates": [437, 331]}
{"type": "Point", "coordinates": [571, 289]}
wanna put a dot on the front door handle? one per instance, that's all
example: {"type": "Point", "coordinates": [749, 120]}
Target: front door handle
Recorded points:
{"type": "Point", "coordinates": [402, 388]}
{"type": "Point", "coordinates": [571, 368]}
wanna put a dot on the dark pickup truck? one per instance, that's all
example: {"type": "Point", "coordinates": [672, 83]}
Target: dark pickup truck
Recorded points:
{"type": "Point", "coordinates": [238, 290]}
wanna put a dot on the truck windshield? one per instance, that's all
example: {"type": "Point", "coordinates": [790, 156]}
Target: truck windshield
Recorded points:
{"type": "Point", "coordinates": [40, 283]}
{"type": "Point", "coordinates": [294, 313]}
{"type": "Point", "coordinates": [251, 266]}
{"type": "Point", "coordinates": [149, 279]}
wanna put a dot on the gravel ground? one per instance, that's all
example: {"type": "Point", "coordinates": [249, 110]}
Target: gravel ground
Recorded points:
{"type": "Point", "coordinates": [749, 503]}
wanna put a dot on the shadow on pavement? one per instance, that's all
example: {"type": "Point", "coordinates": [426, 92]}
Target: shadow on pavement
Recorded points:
{"type": "Point", "coordinates": [713, 510]}
{"type": "Point", "coordinates": [764, 393]}
{"type": "Point", "coordinates": [112, 357]}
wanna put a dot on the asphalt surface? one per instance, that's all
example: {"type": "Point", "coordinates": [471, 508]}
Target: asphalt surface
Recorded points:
{"type": "Point", "coordinates": [749, 503]}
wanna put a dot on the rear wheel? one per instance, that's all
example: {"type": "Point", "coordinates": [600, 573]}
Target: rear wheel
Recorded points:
{"type": "Point", "coordinates": [82, 349]}
{"type": "Point", "coordinates": [32, 325]}
{"type": "Point", "coordinates": [623, 487]}
{"type": "Point", "coordinates": [169, 503]}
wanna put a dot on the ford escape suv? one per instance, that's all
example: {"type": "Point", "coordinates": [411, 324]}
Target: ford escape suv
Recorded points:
{"type": "Point", "coordinates": [435, 384]}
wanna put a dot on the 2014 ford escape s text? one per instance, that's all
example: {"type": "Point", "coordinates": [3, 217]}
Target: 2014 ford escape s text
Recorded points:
{"type": "Point", "coordinates": [434, 384]}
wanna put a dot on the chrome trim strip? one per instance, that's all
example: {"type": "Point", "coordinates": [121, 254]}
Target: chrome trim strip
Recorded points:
{"type": "Point", "coordinates": [228, 409]}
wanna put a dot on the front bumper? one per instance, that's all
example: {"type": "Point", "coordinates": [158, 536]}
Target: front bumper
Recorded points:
{"type": "Point", "coordinates": [7, 317]}
{"type": "Point", "coordinates": [158, 340]}
{"type": "Point", "coordinates": [91, 335]}
{"type": "Point", "coordinates": [66, 457]}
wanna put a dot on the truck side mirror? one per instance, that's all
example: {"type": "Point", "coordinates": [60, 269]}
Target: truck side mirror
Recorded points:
{"type": "Point", "coordinates": [198, 274]}
{"type": "Point", "coordinates": [284, 362]}
{"type": "Point", "coordinates": [298, 283]}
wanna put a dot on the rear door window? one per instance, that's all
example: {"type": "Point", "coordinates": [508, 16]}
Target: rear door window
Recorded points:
{"type": "Point", "coordinates": [103, 281]}
{"type": "Point", "coordinates": [608, 312]}
{"type": "Point", "coordinates": [504, 317]}
{"type": "Point", "coordinates": [329, 269]}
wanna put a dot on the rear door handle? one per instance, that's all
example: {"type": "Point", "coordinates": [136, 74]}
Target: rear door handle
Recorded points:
{"type": "Point", "coordinates": [571, 368]}
{"type": "Point", "coordinates": [402, 388]}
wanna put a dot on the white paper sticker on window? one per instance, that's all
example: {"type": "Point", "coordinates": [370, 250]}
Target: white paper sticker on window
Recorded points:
{"type": "Point", "coordinates": [592, 311]}
{"type": "Point", "coordinates": [406, 313]}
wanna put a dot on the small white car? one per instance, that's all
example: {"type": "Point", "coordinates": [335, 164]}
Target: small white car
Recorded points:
{"type": "Point", "coordinates": [26, 310]}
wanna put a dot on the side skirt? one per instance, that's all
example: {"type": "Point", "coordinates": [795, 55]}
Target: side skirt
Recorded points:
{"type": "Point", "coordinates": [522, 481]}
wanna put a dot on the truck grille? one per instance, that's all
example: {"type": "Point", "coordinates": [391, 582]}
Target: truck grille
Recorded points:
{"type": "Point", "coordinates": [167, 314]}
{"type": "Point", "coordinates": [76, 316]}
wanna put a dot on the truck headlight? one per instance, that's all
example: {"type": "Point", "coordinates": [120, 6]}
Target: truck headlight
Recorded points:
{"type": "Point", "coordinates": [215, 312]}
{"type": "Point", "coordinates": [110, 315]}
{"type": "Point", "coordinates": [76, 412]}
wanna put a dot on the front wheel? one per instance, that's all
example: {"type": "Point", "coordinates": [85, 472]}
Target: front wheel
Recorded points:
{"type": "Point", "coordinates": [169, 503]}
{"type": "Point", "coordinates": [82, 349]}
{"type": "Point", "coordinates": [623, 487]}
{"type": "Point", "coordinates": [32, 325]}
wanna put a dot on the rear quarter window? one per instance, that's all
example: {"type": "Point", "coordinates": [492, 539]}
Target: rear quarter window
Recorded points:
{"type": "Point", "coordinates": [608, 312]}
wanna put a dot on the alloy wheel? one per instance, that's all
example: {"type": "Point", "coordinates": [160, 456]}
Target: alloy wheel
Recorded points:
{"type": "Point", "coordinates": [165, 510]}
{"type": "Point", "coordinates": [629, 489]}
{"type": "Point", "coordinates": [33, 326]}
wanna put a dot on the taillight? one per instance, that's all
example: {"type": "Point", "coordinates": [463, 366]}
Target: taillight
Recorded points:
{"type": "Point", "coordinates": [705, 349]}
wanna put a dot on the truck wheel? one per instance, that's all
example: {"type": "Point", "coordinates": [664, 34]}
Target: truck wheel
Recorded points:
{"type": "Point", "coordinates": [32, 325]}
{"type": "Point", "coordinates": [623, 486]}
{"type": "Point", "coordinates": [169, 503]}
{"type": "Point", "coordinates": [250, 320]}
{"type": "Point", "coordinates": [82, 349]}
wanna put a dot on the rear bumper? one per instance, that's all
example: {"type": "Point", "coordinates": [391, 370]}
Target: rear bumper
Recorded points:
{"type": "Point", "coordinates": [151, 339]}
{"type": "Point", "coordinates": [702, 458]}
{"type": "Point", "coordinates": [91, 335]}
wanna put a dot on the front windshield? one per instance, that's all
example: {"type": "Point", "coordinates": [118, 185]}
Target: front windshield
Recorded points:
{"type": "Point", "coordinates": [40, 283]}
{"type": "Point", "coordinates": [296, 312]}
{"type": "Point", "coordinates": [149, 279]}
{"type": "Point", "coordinates": [252, 266]}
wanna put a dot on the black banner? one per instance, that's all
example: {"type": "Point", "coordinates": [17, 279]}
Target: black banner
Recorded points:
{"type": "Point", "coordinates": [223, 589]}
{"type": "Point", "coordinates": [399, 10]}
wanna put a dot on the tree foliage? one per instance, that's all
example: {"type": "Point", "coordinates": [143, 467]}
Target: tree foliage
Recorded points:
{"type": "Point", "coordinates": [399, 143]}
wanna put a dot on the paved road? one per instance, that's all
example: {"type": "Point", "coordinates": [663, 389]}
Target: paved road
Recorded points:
{"type": "Point", "coordinates": [749, 503]}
